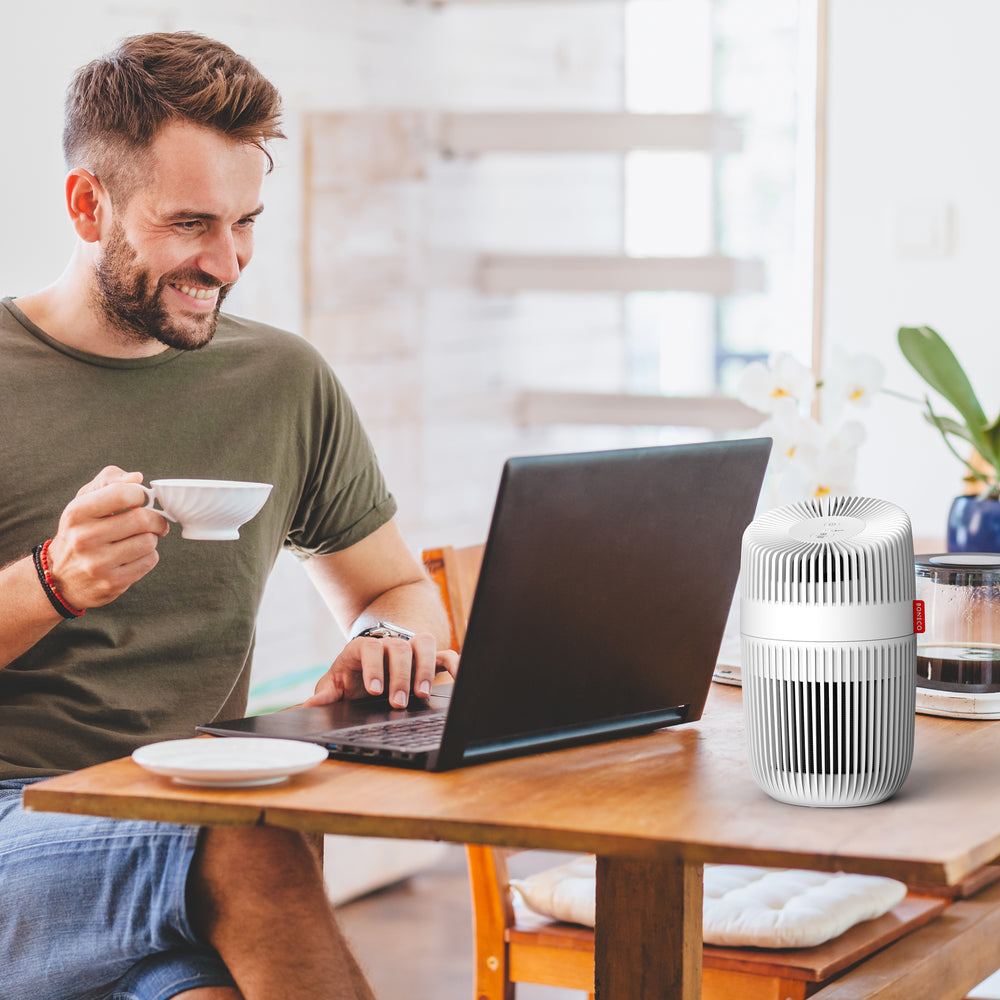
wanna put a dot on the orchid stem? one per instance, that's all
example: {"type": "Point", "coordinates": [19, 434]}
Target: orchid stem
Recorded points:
{"type": "Point", "coordinates": [902, 395]}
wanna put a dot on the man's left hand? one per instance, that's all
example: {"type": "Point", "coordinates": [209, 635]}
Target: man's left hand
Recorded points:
{"type": "Point", "coordinates": [368, 665]}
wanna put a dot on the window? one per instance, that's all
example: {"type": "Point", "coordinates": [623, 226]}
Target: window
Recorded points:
{"type": "Point", "coordinates": [755, 62]}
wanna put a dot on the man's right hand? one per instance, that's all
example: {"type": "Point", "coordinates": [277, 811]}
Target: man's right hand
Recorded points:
{"type": "Point", "coordinates": [106, 540]}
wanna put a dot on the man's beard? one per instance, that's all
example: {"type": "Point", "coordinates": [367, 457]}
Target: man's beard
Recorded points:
{"type": "Point", "coordinates": [134, 306]}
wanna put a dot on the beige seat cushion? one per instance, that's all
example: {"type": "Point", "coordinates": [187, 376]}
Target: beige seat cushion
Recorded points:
{"type": "Point", "coordinates": [743, 905]}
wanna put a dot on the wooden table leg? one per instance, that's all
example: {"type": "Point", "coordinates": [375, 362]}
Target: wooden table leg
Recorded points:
{"type": "Point", "coordinates": [649, 930]}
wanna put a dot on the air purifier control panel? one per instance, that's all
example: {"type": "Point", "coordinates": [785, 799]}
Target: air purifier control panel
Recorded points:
{"type": "Point", "coordinates": [826, 529]}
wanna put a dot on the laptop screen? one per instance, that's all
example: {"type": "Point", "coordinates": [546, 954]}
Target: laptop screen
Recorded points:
{"type": "Point", "coordinates": [606, 584]}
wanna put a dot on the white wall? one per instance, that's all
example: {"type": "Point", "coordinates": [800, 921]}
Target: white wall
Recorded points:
{"type": "Point", "coordinates": [913, 91]}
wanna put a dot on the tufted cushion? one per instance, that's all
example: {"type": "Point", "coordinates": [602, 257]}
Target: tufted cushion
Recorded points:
{"type": "Point", "coordinates": [743, 906]}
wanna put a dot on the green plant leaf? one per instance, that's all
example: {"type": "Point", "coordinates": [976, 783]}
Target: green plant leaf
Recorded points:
{"type": "Point", "coordinates": [948, 426]}
{"type": "Point", "coordinates": [992, 434]}
{"type": "Point", "coordinates": [935, 363]}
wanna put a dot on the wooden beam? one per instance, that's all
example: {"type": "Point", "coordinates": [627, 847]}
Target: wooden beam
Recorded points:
{"type": "Point", "coordinates": [819, 194]}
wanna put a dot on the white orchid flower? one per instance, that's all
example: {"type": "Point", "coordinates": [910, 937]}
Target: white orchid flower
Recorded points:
{"type": "Point", "coordinates": [764, 386]}
{"type": "Point", "coordinates": [792, 433]}
{"type": "Point", "coordinates": [851, 379]}
{"type": "Point", "coordinates": [849, 437]}
{"type": "Point", "coordinates": [811, 458]}
{"type": "Point", "coordinates": [825, 472]}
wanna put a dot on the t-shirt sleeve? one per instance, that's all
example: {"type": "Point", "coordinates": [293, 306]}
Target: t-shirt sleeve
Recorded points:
{"type": "Point", "coordinates": [344, 495]}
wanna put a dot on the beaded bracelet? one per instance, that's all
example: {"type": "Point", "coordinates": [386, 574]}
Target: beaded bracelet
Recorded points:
{"type": "Point", "coordinates": [41, 558]}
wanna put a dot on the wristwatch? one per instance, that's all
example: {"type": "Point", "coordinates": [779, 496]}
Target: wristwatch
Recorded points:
{"type": "Point", "coordinates": [386, 630]}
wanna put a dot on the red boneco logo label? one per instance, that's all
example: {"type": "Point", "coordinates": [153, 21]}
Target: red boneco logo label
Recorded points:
{"type": "Point", "coordinates": [918, 616]}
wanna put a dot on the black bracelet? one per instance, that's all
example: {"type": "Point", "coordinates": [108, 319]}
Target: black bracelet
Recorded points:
{"type": "Point", "coordinates": [65, 611]}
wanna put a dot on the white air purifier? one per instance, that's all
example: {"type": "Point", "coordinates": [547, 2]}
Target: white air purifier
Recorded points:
{"type": "Point", "coordinates": [828, 650]}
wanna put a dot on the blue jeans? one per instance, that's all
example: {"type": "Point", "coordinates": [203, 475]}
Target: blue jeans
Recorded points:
{"type": "Point", "coordinates": [96, 909]}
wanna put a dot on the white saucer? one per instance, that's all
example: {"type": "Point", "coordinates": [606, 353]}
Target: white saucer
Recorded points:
{"type": "Point", "coordinates": [229, 762]}
{"type": "Point", "coordinates": [729, 662]}
{"type": "Point", "coordinates": [959, 704]}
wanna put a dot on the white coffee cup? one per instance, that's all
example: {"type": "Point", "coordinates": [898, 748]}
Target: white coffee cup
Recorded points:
{"type": "Point", "coordinates": [207, 508]}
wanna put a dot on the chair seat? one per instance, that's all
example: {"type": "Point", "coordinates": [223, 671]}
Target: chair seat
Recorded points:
{"type": "Point", "coordinates": [533, 927]}
{"type": "Point", "coordinates": [824, 961]}
{"type": "Point", "coordinates": [551, 953]}
{"type": "Point", "coordinates": [533, 932]}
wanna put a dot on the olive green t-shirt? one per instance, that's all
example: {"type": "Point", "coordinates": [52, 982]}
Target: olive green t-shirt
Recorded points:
{"type": "Point", "coordinates": [174, 650]}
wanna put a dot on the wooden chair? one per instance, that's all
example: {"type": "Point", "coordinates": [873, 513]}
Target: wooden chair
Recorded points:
{"type": "Point", "coordinates": [908, 954]}
{"type": "Point", "coordinates": [455, 571]}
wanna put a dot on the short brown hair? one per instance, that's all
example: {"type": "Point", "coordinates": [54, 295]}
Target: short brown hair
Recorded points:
{"type": "Point", "coordinates": [117, 104]}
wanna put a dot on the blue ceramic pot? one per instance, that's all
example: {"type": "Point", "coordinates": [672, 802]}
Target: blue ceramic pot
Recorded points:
{"type": "Point", "coordinates": [974, 525]}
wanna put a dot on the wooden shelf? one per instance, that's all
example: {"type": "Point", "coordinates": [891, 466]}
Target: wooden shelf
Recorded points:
{"type": "Point", "coordinates": [543, 407]}
{"type": "Point", "coordinates": [714, 275]}
{"type": "Point", "coordinates": [581, 132]}
{"type": "Point", "coordinates": [507, 3]}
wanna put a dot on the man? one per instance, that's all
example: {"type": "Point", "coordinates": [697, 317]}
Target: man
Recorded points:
{"type": "Point", "coordinates": [115, 632]}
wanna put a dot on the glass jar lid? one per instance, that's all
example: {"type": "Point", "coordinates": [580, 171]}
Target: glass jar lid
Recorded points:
{"type": "Point", "coordinates": [960, 569]}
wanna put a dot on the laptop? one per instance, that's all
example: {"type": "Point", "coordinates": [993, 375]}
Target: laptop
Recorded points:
{"type": "Point", "coordinates": [605, 586]}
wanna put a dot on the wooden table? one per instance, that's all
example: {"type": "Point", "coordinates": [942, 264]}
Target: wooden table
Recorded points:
{"type": "Point", "coordinates": [654, 809]}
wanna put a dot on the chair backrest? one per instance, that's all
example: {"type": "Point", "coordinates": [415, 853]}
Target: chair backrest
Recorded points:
{"type": "Point", "coordinates": [455, 571]}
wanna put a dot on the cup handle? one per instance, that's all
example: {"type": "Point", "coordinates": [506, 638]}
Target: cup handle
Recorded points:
{"type": "Point", "coordinates": [151, 499]}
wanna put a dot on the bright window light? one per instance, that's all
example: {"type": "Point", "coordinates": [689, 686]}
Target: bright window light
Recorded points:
{"type": "Point", "coordinates": [754, 62]}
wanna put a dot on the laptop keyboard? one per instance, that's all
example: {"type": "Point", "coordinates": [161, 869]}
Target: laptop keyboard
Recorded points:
{"type": "Point", "coordinates": [415, 733]}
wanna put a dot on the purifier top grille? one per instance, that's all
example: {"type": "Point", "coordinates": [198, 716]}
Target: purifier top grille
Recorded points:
{"type": "Point", "coordinates": [852, 555]}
